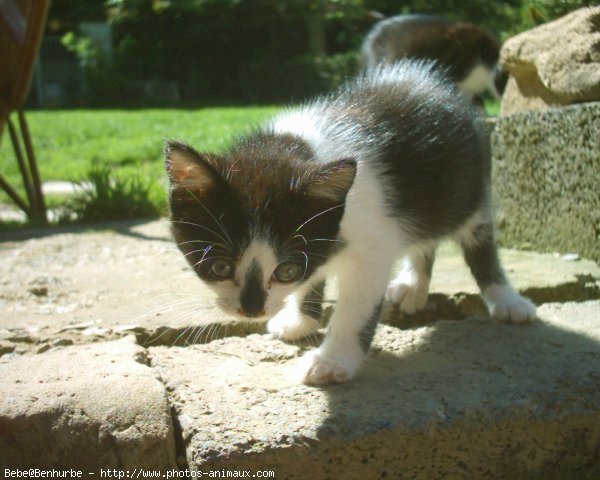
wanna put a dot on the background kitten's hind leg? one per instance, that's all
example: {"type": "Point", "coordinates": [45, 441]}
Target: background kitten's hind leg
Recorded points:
{"type": "Point", "coordinates": [411, 287]}
{"type": "Point", "coordinates": [300, 318]}
{"type": "Point", "coordinates": [481, 255]}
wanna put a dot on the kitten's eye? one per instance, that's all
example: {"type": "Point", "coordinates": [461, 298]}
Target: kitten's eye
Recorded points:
{"type": "Point", "coordinates": [287, 272]}
{"type": "Point", "coordinates": [222, 268]}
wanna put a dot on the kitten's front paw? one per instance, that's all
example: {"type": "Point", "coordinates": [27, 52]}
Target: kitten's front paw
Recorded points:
{"type": "Point", "coordinates": [518, 310]}
{"type": "Point", "coordinates": [506, 305]}
{"type": "Point", "coordinates": [410, 297]}
{"type": "Point", "coordinates": [292, 325]}
{"type": "Point", "coordinates": [318, 368]}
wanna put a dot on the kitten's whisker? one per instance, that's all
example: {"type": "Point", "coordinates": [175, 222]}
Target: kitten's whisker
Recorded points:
{"type": "Point", "coordinates": [219, 224]}
{"type": "Point", "coordinates": [216, 332]}
{"type": "Point", "coordinates": [229, 245]}
{"type": "Point", "coordinates": [198, 333]}
{"type": "Point", "coordinates": [291, 239]}
{"type": "Point", "coordinates": [175, 342]}
{"type": "Point", "coordinates": [325, 240]}
{"type": "Point", "coordinates": [308, 309]}
{"type": "Point", "coordinates": [313, 340]}
{"type": "Point", "coordinates": [305, 265]}
{"type": "Point", "coordinates": [154, 339]}
{"type": "Point", "coordinates": [317, 302]}
{"type": "Point", "coordinates": [216, 244]}
{"type": "Point", "coordinates": [167, 308]}
{"type": "Point", "coordinates": [198, 330]}
{"type": "Point", "coordinates": [318, 215]}
{"type": "Point", "coordinates": [209, 331]}
{"type": "Point", "coordinates": [204, 250]}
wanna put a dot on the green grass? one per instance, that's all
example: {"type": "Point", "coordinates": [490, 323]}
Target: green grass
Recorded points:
{"type": "Point", "coordinates": [126, 145]}
{"type": "Point", "coordinates": [71, 144]}
{"type": "Point", "coordinates": [491, 107]}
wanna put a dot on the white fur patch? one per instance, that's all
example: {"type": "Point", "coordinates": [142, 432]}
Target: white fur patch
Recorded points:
{"type": "Point", "coordinates": [479, 79]}
{"type": "Point", "coordinates": [373, 238]}
{"type": "Point", "coordinates": [261, 252]}
{"type": "Point", "coordinates": [302, 122]}
{"type": "Point", "coordinates": [319, 367]}
{"type": "Point", "coordinates": [464, 235]}
{"type": "Point", "coordinates": [290, 324]}
{"type": "Point", "coordinates": [505, 304]}
{"type": "Point", "coordinates": [410, 288]}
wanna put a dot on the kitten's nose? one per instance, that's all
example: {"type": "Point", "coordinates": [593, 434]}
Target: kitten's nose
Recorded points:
{"type": "Point", "coordinates": [253, 295]}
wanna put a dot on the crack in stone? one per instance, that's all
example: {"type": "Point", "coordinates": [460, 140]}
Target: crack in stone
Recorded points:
{"type": "Point", "coordinates": [195, 334]}
{"type": "Point", "coordinates": [439, 306]}
{"type": "Point", "coordinates": [180, 450]}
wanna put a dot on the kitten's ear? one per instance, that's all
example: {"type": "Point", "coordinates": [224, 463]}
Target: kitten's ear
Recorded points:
{"type": "Point", "coordinates": [189, 169]}
{"type": "Point", "coordinates": [333, 180]}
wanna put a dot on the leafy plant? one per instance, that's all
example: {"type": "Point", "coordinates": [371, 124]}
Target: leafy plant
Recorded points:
{"type": "Point", "coordinates": [107, 197]}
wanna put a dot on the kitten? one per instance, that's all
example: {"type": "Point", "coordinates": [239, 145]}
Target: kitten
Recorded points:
{"type": "Point", "coordinates": [468, 52]}
{"type": "Point", "coordinates": [387, 166]}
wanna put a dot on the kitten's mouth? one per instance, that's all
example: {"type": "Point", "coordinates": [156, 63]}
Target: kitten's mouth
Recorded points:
{"type": "Point", "coordinates": [253, 315]}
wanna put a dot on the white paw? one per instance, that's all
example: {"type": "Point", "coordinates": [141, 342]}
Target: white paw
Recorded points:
{"type": "Point", "coordinates": [410, 296]}
{"type": "Point", "coordinates": [506, 305]}
{"type": "Point", "coordinates": [318, 368]}
{"type": "Point", "coordinates": [292, 325]}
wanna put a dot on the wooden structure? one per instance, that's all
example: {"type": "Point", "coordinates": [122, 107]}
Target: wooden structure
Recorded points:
{"type": "Point", "coordinates": [22, 24]}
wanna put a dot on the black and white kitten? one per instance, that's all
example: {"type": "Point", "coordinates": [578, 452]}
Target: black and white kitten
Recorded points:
{"type": "Point", "coordinates": [468, 53]}
{"type": "Point", "coordinates": [386, 167]}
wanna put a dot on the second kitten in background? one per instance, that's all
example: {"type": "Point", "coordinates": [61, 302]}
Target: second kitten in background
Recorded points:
{"type": "Point", "coordinates": [468, 53]}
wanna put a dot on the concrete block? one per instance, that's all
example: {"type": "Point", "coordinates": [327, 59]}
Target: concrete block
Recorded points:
{"type": "Point", "coordinates": [456, 399]}
{"type": "Point", "coordinates": [546, 181]}
{"type": "Point", "coordinates": [86, 406]}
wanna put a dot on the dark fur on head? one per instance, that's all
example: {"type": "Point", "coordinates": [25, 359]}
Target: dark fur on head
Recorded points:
{"type": "Point", "coordinates": [280, 194]}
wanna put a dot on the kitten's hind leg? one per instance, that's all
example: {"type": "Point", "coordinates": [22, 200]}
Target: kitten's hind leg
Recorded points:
{"type": "Point", "coordinates": [411, 287]}
{"type": "Point", "coordinates": [481, 255]}
{"type": "Point", "coordinates": [300, 318]}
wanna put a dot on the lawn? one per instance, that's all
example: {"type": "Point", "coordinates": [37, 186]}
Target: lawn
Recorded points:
{"type": "Point", "coordinates": [69, 143]}
{"type": "Point", "coordinates": [127, 145]}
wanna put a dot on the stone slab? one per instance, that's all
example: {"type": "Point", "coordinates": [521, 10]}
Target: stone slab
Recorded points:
{"type": "Point", "coordinates": [527, 271]}
{"type": "Point", "coordinates": [83, 285]}
{"type": "Point", "coordinates": [95, 283]}
{"type": "Point", "coordinates": [456, 399]}
{"type": "Point", "coordinates": [88, 407]}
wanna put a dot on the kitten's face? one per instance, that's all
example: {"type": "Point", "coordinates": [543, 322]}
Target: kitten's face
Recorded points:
{"type": "Point", "coordinates": [258, 222]}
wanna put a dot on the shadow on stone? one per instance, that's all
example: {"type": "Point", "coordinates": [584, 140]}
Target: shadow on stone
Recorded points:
{"type": "Point", "coordinates": [126, 227]}
{"type": "Point", "coordinates": [474, 398]}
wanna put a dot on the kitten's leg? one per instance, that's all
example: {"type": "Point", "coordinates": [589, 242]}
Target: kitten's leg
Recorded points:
{"type": "Point", "coordinates": [502, 300]}
{"type": "Point", "coordinates": [301, 317]}
{"type": "Point", "coordinates": [362, 280]}
{"type": "Point", "coordinates": [411, 287]}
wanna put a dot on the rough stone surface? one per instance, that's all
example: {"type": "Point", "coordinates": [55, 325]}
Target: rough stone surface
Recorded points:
{"type": "Point", "coordinates": [546, 182]}
{"type": "Point", "coordinates": [557, 63]}
{"type": "Point", "coordinates": [95, 285]}
{"type": "Point", "coordinates": [440, 397]}
{"type": "Point", "coordinates": [461, 399]}
{"type": "Point", "coordinates": [99, 284]}
{"type": "Point", "coordinates": [88, 406]}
